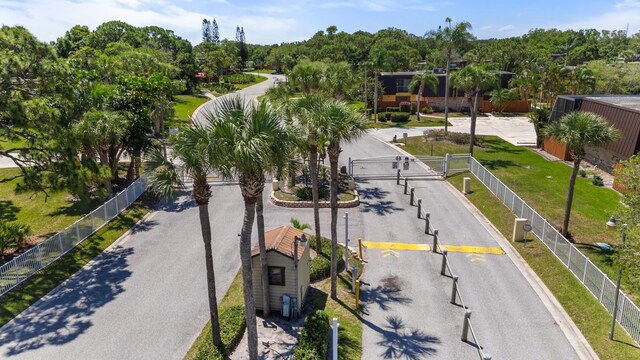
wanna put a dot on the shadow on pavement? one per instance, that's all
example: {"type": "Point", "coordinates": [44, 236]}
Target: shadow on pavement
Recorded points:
{"type": "Point", "coordinates": [402, 342]}
{"type": "Point", "coordinates": [179, 202]}
{"type": "Point", "coordinates": [372, 193]}
{"type": "Point", "coordinates": [379, 207]}
{"type": "Point", "coordinates": [62, 317]}
{"type": "Point", "coordinates": [389, 292]}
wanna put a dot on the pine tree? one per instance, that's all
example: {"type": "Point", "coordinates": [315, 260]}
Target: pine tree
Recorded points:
{"type": "Point", "coordinates": [206, 30]}
{"type": "Point", "coordinates": [243, 52]}
{"type": "Point", "coordinates": [215, 33]}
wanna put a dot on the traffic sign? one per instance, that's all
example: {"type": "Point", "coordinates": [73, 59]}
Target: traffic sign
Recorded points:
{"type": "Point", "coordinates": [527, 227]}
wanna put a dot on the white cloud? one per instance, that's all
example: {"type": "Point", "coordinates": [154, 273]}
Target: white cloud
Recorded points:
{"type": "Point", "coordinates": [49, 20]}
{"type": "Point", "coordinates": [628, 4]}
{"type": "Point", "coordinates": [507, 28]}
{"type": "Point", "coordinates": [613, 20]}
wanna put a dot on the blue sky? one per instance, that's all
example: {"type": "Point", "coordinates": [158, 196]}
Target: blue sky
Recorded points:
{"type": "Point", "coordinates": [275, 21]}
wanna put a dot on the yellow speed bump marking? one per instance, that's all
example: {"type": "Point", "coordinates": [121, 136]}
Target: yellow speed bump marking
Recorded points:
{"type": "Point", "coordinates": [476, 257]}
{"type": "Point", "coordinates": [389, 252]}
{"type": "Point", "coordinates": [474, 249]}
{"type": "Point", "coordinates": [396, 246]}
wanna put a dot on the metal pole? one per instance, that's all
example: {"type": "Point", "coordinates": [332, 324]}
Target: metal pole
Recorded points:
{"type": "Point", "coordinates": [615, 304]}
{"type": "Point", "coordinates": [435, 241]}
{"type": "Point", "coordinates": [426, 223]}
{"type": "Point", "coordinates": [411, 197]}
{"type": "Point", "coordinates": [346, 240]}
{"type": "Point", "coordinates": [334, 346]}
{"type": "Point", "coordinates": [419, 208]}
{"type": "Point", "coordinates": [454, 291]}
{"type": "Point", "coordinates": [406, 184]}
{"type": "Point", "coordinates": [350, 167]}
{"type": "Point", "coordinates": [398, 177]}
{"type": "Point", "coordinates": [354, 275]}
{"type": "Point", "coordinates": [465, 325]}
{"type": "Point", "coordinates": [443, 269]}
{"type": "Point", "coordinates": [366, 108]}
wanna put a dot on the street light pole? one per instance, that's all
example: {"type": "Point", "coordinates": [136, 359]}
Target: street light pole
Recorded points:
{"type": "Point", "coordinates": [612, 225]}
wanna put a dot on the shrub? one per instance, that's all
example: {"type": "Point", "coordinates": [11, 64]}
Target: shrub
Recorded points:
{"type": "Point", "coordinates": [597, 181]}
{"type": "Point", "coordinates": [12, 235]}
{"type": "Point", "coordinates": [384, 116]}
{"type": "Point", "coordinates": [454, 137]}
{"type": "Point", "coordinates": [305, 193]}
{"type": "Point", "coordinates": [239, 78]}
{"type": "Point", "coordinates": [583, 173]}
{"type": "Point", "coordinates": [434, 135]}
{"type": "Point", "coordinates": [405, 106]}
{"type": "Point", "coordinates": [314, 337]}
{"type": "Point", "coordinates": [427, 110]}
{"type": "Point", "coordinates": [393, 109]}
{"type": "Point", "coordinates": [400, 117]}
{"type": "Point", "coordinates": [232, 325]}
{"type": "Point", "coordinates": [320, 266]}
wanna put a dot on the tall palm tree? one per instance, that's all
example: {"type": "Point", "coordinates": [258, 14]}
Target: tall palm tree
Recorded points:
{"type": "Point", "coordinates": [473, 80]}
{"type": "Point", "coordinates": [426, 78]}
{"type": "Point", "coordinates": [246, 139]}
{"type": "Point", "coordinates": [452, 39]}
{"type": "Point", "coordinates": [576, 131]}
{"type": "Point", "coordinates": [339, 123]}
{"type": "Point", "coordinates": [307, 76]}
{"type": "Point", "coordinates": [191, 157]}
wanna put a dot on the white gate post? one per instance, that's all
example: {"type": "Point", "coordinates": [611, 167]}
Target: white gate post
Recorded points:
{"type": "Point", "coordinates": [334, 337]}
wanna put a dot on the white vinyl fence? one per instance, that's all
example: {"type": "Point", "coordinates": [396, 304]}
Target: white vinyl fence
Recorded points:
{"type": "Point", "coordinates": [40, 256]}
{"type": "Point", "coordinates": [591, 277]}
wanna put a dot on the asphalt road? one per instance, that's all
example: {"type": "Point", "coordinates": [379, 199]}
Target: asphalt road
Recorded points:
{"type": "Point", "coordinates": [407, 301]}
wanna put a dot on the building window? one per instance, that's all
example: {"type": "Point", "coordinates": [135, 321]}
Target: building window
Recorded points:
{"type": "Point", "coordinates": [276, 275]}
{"type": "Point", "coordinates": [402, 85]}
{"type": "Point", "coordinates": [403, 98]}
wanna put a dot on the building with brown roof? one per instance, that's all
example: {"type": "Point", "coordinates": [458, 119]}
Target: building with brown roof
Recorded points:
{"type": "Point", "coordinates": [287, 276]}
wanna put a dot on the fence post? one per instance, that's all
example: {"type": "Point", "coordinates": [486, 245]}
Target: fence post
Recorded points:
{"type": "Point", "coordinates": [443, 269]}
{"type": "Point", "coordinates": [586, 263]}
{"type": "Point", "coordinates": [405, 185]}
{"type": "Point", "coordinates": [334, 346]}
{"type": "Point", "coordinates": [454, 291]}
{"type": "Point", "coordinates": [419, 208]}
{"type": "Point", "coordinates": [435, 241]}
{"type": "Point", "coordinates": [77, 225]}
{"type": "Point", "coordinates": [555, 244]}
{"type": "Point", "coordinates": [604, 280]}
{"type": "Point", "coordinates": [426, 223]}
{"type": "Point", "coordinates": [398, 177]}
{"type": "Point", "coordinates": [360, 248]}
{"type": "Point", "coordinates": [61, 245]}
{"type": "Point", "coordinates": [465, 325]}
{"type": "Point", "coordinates": [350, 171]}
{"type": "Point", "coordinates": [412, 195]}
{"type": "Point", "coordinates": [569, 259]}
{"type": "Point", "coordinates": [115, 199]}
{"type": "Point", "coordinates": [126, 196]}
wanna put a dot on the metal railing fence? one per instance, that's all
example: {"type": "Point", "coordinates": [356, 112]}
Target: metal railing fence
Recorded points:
{"type": "Point", "coordinates": [597, 282]}
{"type": "Point", "coordinates": [42, 255]}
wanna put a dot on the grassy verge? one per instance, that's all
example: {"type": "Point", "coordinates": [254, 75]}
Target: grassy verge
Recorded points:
{"type": "Point", "coordinates": [590, 317]}
{"type": "Point", "coordinates": [263, 71]}
{"type": "Point", "coordinates": [413, 122]}
{"type": "Point", "coordinates": [44, 215]}
{"type": "Point", "coordinates": [185, 106]}
{"type": "Point", "coordinates": [46, 280]}
{"type": "Point", "coordinates": [258, 80]}
{"type": "Point", "coordinates": [231, 325]}
{"type": "Point", "coordinates": [347, 195]}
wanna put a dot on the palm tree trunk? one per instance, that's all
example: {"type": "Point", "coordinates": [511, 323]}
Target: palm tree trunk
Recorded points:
{"type": "Point", "coordinates": [446, 94]}
{"type": "Point", "coordinates": [418, 102]}
{"type": "Point", "coordinates": [247, 274]}
{"type": "Point", "coordinates": [567, 210]}
{"type": "Point", "coordinates": [375, 98]}
{"type": "Point", "coordinates": [472, 132]}
{"type": "Point", "coordinates": [333, 160]}
{"type": "Point", "coordinates": [263, 258]}
{"type": "Point", "coordinates": [313, 170]}
{"type": "Point", "coordinates": [205, 227]}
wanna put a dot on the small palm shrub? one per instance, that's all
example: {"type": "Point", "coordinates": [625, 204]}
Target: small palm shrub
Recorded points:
{"type": "Point", "coordinates": [314, 337]}
{"type": "Point", "coordinates": [12, 235]}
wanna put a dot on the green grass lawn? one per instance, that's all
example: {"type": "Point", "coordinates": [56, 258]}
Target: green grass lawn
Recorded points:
{"type": "Point", "coordinates": [185, 106]}
{"type": "Point", "coordinates": [413, 122]}
{"type": "Point", "coordinates": [31, 290]}
{"type": "Point", "coordinates": [590, 317]}
{"type": "Point", "coordinates": [45, 216]}
{"type": "Point", "coordinates": [10, 144]}
{"type": "Point", "coordinates": [543, 185]}
{"type": "Point", "coordinates": [258, 79]}
{"type": "Point", "coordinates": [263, 71]}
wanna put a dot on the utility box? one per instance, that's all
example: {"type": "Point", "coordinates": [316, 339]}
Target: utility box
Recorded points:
{"type": "Point", "coordinates": [276, 185]}
{"type": "Point", "coordinates": [519, 229]}
{"type": "Point", "coordinates": [466, 185]}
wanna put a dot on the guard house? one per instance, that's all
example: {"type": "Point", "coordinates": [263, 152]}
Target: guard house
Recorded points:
{"type": "Point", "coordinates": [288, 276]}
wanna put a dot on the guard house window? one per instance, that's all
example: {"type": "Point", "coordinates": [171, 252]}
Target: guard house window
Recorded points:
{"type": "Point", "coordinates": [402, 85]}
{"type": "Point", "coordinates": [276, 275]}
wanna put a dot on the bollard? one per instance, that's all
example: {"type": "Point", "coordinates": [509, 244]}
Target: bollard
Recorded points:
{"type": "Point", "coordinates": [454, 292]}
{"type": "Point", "coordinates": [357, 294]}
{"type": "Point", "coordinates": [398, 177]}
{"type": "Point", "coordinates": [419, 208]}
{"type": "Point", "coordinates": [405, 185]}
{"type": "Point", "coordinates": [412, 196]}
{"type": "Point", "coordinates": [443, 269]}
{"type": "Point", "coordinates": [465, 325]}
{"type": "Point", "coordinates": [435, 241]}
{"type": "Point", "coordinates": [334, 339]}
{"type": "Point", "coordinates": [486, 356]}
{"type": "Point", "coordinates": [426, 223]}
{"type": "Point", "coordinates": [360, 248]}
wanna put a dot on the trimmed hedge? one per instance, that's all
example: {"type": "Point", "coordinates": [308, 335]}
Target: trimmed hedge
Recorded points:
{"type": "Point", "coordinates": [314, 337]}
{"type": "Point", "coordinates": [320, 266]}
{"type": "Point", "coordinates": [232, 325]}
{"type": "Point", "coordinates": [392, 109]}
{"type": "Point", "coordinates": [400, 117]}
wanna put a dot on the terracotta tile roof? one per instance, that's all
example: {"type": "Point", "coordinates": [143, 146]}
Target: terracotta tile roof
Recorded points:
{"type": "Point", "coordinates": [281, 240]}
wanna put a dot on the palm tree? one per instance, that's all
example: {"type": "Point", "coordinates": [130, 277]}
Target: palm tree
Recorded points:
{"type": "Point", "coordinates": [576, 131]}
{"type": "Point", "coordinates": [307, 76]}
{"type": "Point", "coordinates": [191, 158]}
{"type": "Point", "coordinates": [338, 78]}
{"type": "Point", "coordinates": [340, 123]}
{"type": "Point", "coordinates": [426, 78]}
{"type": "Point", "coordinates": [501, 97]}
{"type": "Point", "coordinates": [246, 140]}
{"type": "Point", "coordinates": [452, 39]}
{"type": "Point", "coordinates": [473, 80]}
